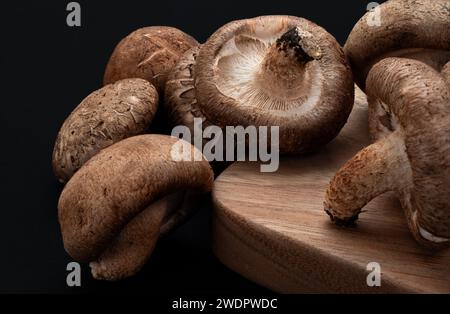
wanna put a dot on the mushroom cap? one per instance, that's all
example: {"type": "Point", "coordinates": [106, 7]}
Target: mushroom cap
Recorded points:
{"type": "Point", "coordinates": [108, 200]}
{"type": "Point", "coordinates": [410, 97]}
{"type": "Point", "coordinates": [405, 25]}
{"type": "Point", "coordinates": [231, 89]}
{"type": "Point", "coordinates": [148, 53]}
{"type": "Point", "coordinates": [180, 100]}
{"type": "Point", "coordinates": [106, 116]}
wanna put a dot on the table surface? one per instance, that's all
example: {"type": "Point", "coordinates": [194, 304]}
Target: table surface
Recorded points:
{"type": "Point", "coordinates": [272, 229]}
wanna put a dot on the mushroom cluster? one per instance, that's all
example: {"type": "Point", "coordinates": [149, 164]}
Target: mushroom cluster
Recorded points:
{"type": "Point", "coordinates": [124, 188]}
{"type": "Point", "coordinates": [406, 78]}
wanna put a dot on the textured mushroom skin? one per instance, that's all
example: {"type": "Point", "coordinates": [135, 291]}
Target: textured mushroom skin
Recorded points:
{"type": "Point", "coordinates": [129, 251]}
{"type": "Point", "coordinates": [411, 156]}
{"type": "Point", "coordinates": [106, 116]}
{"type": "Point", "coordinates": [405, 24]}
{"type": "Point", "coordinates": [148, 53]}
{"type": "Point", "coordinates": [446, 73]}
{"type": "Point", "coordinates": [369, 174]}
{"type": "Point", "coordinates": [309, 114]}
{"type": "Point", "coordinates": [107, 211]}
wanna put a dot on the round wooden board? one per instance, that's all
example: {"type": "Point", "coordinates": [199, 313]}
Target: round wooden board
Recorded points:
{"type": "Point", "coordinates": [271, 228]}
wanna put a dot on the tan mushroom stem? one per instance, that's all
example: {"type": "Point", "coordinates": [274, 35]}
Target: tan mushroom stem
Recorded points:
{"type": "Point", "coordinates": [129, 251]}
{"type": "Point", "coordinates": [132, 247]}
{"type": "Point", "coordinates": [285, 64]}
{"type": "Point", "coordinates": [409, 115]}
{"type": "Point", "coordinates": [379, 168]}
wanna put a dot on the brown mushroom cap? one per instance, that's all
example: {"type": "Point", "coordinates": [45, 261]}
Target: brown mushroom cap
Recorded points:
{"type": "Point", "coordinates": [410, 118]}
{"type": "Point", "coordinates": [407, 26]}
{"type": "Point", "coordinates": [148, 53]}
{"type": "Point", "coordinates": [106, 116]}
{"type": "Point", "coordinates": [113, 209]}
{"type": "Point", "coordinates": [276, 71]}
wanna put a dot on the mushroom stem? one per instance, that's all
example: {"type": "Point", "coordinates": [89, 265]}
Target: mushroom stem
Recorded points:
{"type": "Point", "coordinates": [130, 250]}
{"type": "Point", "coordinates": [285, 62]}
{"type": "Point", "coordinates": [379, 168]}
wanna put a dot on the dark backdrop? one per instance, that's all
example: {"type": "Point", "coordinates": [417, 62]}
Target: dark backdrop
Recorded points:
{"type": "Point", "coordinates": [46, 69]}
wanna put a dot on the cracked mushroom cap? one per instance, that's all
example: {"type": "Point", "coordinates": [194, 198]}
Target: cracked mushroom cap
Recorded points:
{"type": "Point", "coordinates": [148, 53]}
{"type": "Point", "coordinates": [409, 113]}
{"type": "Point", "coordinates": [115, 207]}
{"type": "Point", "coordinates": [106, 116]}
{"type": "Point", "coordinates": [409, 28]}
{"type": "Point", "coordinates": [276, 71]}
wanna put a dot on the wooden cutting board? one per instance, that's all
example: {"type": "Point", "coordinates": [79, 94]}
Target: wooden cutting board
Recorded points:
{"type": "Point", "coordinates": [271, 228]}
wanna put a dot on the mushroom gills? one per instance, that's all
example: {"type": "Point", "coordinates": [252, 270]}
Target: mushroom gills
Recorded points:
{"type": "Point", "coordinates": [280, 75]}
{"type": "Point", "coordinates": [130, 249]}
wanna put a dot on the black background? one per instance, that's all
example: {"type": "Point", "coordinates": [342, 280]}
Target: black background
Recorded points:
{"type": "Point", "coordinates": [46, 69]}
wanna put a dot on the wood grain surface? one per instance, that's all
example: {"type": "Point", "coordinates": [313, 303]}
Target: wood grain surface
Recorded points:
{"type": "Point", "coordinates": [272, 229]}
